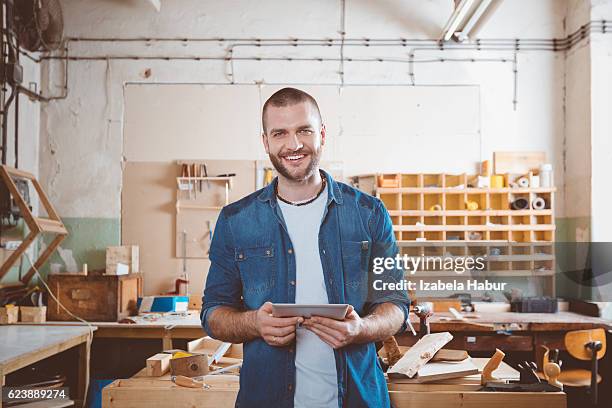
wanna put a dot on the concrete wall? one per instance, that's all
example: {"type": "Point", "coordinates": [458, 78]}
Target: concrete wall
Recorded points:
{"type": "Point", "coordinates": [29, 155]}
{"type": "Point", "coordinates": [82, 137]}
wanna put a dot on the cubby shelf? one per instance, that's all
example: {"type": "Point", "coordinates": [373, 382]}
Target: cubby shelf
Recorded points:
{"type": "Point", "coordinates": [431, 216]}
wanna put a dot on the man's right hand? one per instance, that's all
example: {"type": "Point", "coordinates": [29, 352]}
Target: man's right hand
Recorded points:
{"type": "Point", "coordinates": [276, 331]}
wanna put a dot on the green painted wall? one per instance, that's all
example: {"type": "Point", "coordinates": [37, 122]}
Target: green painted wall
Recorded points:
{"type": "Point", "coordinates": [88, 239]}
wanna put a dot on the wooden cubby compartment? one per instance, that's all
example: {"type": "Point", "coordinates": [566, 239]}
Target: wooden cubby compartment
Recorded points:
{"type": "Point", "coordinates": [411, 201]}
{"type": "Point", "coordinates": [433, 180]}
{"type": "Point", "coordinates": [391, 201]}
{"type": "Point", "coordinates": [437, 220]}
{"type": "Point", "coordinates": [479, 198]}
{"type": "Point", "coordinates": [430, 200]}
{"type": "Point", "coordinates": [410, 220]}
{"type": "Point", "coordinates": [410, 180]}
{"type": "Point", "coordinates": [454, 201]}
{"type": "Point", "coordinates": [498, 201]}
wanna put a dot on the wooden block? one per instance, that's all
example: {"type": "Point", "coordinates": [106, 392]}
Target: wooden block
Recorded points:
{"type": "Point", "coordinates": [158, 365]}
{"type": "Point", "coordinates": [518, 162]}
{"type": "Point", "coordinates": [126, 254]}
{"type": "Point", "coordinates": [191, 366]}
{"type": "Point", "coordinates": [195, 302]}
{"type": "Point", "coordinates": [33, 314]}
{"type": "Point", "coordinates": [154, 392]}
{"type": "Point", "coordinates": [9, 314]}
{"type": "Point", "coordinates": [441, 370]}
{"type": "Point", "coordinates": [419, 354]}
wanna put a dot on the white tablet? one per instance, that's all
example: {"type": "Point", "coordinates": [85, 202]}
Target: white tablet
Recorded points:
{"type": "Point", "coordinates": [334, 311]}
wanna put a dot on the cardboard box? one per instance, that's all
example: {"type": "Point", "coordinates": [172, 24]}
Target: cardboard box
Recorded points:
{"type": "Point", "coordinates": [33, 314]}
{"type": "Point", "coordinates": [125, 255]}
{"type": "Point", "coordinates": [9, 314]}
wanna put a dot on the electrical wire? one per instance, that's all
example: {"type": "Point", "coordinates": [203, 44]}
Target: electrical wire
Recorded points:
{"type": "Point", "coordinates": [89, 325]}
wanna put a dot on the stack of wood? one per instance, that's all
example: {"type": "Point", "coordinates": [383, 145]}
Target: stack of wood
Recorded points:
{"type": "Point", "coordinates": [426, 361]}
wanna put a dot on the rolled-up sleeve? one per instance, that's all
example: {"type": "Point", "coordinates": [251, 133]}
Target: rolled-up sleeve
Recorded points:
{"type": "Point", "coordinates": [223, 284]}
{"type": "Point", "coordinates": [384, 246]}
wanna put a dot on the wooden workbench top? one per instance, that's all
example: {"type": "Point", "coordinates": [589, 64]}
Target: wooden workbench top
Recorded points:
{"type": "Point", "coordinates": [20, 344]}
{"type": "Point", "coordinates": [510, 321]}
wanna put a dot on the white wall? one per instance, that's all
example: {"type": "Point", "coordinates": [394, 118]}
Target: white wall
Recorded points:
{"type": "Point", "coordinates": [85, 131]}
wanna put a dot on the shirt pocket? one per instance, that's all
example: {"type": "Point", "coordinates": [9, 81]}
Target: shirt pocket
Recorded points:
{"type": "Point", "coordinates": [257, 266]}
{"type": "Point", "coordinates": [355, 261]}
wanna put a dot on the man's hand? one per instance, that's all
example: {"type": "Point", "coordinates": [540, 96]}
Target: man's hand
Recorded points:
{"type": "Point", "coordinates": [337, 333]}
{"type": "Point", "coordinates": [276, 331]}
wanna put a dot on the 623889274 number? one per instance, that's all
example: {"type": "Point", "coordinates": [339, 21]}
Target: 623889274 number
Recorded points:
{"type": "Point", "coordinates": [10, 394]}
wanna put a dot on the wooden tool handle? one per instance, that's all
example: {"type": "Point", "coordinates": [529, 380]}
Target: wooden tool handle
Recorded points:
{"type": "Point", "coordinates": [392, 350]}
{"type": "Point", "coordinates": [552, 372]}
{"type": "Point", "coordinates": [492, 365]}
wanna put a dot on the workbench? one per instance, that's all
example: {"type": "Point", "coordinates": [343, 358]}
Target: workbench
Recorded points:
{"type": "Point", "coordinates": [22, 345]}
{"type": "Point", "coordinates": [165, 328]}
{"type": "Point", "coordinates": [144, 391]}
{"type": "Point", "coordinates": [504, 330]}
{"type": "Point", "coordinates": [508, 331]}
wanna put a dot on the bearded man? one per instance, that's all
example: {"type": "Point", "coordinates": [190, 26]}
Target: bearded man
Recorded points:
{"type": "Point", "coordinates": [303, 239]}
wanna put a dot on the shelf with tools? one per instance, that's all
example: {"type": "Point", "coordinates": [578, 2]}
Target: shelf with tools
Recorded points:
{"type": "Point", "coordinates": [189, 187]}
{"type": "Point", "coordinates": [199, 200]}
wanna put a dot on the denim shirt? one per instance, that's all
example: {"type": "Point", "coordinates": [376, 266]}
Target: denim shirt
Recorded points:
{"type": "Point", "coordinates": [252, 262]}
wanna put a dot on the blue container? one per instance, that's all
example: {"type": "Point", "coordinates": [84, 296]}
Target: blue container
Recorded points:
{"type": "Point", "coordinates": [167, 304]}
{"type": "Point", "coordinates": [94, 397]}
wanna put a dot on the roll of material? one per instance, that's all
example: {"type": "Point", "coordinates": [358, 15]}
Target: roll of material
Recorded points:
{"type": "Point", "coordinates": [435, 207]}
{"type": "Point", "coordinates": [520, 204]}
{"type": "Point", "coordinates": [471, 205]}
{"type": "Point", "coordinates": [535, 181]}
{"type": "Point", "coordinates": [497, 181]}
{"type": "Point", "coordinates": [538, 203]}
{"type": "Point", "coordinates": [523, 182]}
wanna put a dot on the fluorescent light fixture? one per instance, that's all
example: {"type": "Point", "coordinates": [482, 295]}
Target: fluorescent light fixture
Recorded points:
{"type": "Point", "coordinates": [467, 18]}
{"type": "Point", "coordinates": [156, 4]}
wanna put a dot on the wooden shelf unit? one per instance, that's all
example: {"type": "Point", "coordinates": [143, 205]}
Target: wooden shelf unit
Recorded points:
{"type": "Point", "coordinates": [430, 218]}
{"type": "Point", "coordinates": [433, 207]}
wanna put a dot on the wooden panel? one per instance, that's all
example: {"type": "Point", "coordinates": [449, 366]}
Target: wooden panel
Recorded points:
{"type": "Point", "coordinates": [474, 399]}
{"type": "Point", "coordinates": [148, 198]}
{"type": "Point", "coordinates": [503, 342]}
{"type": "Point", "coordinates": [517, 162]}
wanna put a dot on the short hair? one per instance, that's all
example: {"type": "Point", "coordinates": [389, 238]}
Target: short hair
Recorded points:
{"type": "Point", "coordinates": [289, 97]}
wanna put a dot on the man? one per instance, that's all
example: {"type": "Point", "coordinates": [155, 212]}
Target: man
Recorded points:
{"type": "Point", "coordinates": [303, 239]}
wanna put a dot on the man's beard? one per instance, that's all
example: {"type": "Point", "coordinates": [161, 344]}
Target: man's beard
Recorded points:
{"type": "Point", "coordinates": [277, 162]}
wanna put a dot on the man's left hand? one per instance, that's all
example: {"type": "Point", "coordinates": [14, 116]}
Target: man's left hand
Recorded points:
{"type": "Point", "coordinates": [337, 333]}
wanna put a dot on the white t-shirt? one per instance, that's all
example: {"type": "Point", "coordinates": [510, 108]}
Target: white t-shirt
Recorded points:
{"type": "Point", "coordinates": [316, 383]}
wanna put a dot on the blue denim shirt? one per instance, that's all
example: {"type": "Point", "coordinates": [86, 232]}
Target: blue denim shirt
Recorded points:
{"type": "Point", "coordinates": [252, 262]}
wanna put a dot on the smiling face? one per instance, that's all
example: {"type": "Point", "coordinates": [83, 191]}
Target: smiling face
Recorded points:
{"type": "Point", "coordinates": [294, 139]}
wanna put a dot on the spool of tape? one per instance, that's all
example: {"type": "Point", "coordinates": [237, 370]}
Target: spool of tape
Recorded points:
{"type": "Point", "coordinates": [520, 204]}
{"type": "Point", "coordinates": [435, 207]}
{"type": "Point", "coordinates": [538, 203]}
{"type": "Point", "coordinates": [523, 182]}
{"type": "Point", "coordinates": [471, 205]}
{"type": "Point", "coordinates": [497, 181]}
